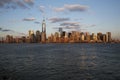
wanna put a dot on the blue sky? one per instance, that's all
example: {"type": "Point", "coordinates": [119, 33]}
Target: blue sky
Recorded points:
{"type": "Point", "coordinates": [19, 16]}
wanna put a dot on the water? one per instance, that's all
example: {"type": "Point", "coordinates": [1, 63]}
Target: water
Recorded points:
{"type": "Point", "coordinates": [60, 61]}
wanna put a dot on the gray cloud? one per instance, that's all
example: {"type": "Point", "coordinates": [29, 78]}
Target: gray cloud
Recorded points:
{"type": "Point", "coordinates": [29, 2]}
{"type": "Point", "coordinates": [28, 19]}
{"type": "Point", "coordinates": [71, 27]}
{"type": "Point", "coordinates": [70, 24]}
{"type": "Point", "coordinates": [55, 19]}
{"type": "Point", "coordinates": [72, 8]}
{"type": "Point", "coordinates": [3, 2]}
{"type": "Point", "coordinates": [19, 33]}
{"type": "Point", "coordinates": [75, 26]}
{"type": "Point", "coordinates": [9, 30]}
{"type": "Point", "coordinates": [5, 30]}
{"type": "Point", "coordinates": [21, 4]}
{"type": "Point", "coordinates": [76, 7]}
{"type": "Point", "coordinates": [36, 22]}
{"type": "Point", "coordinates": [93, 25]}
{"type": "Point", "coordinates": [16, 3]}
{"type": "Point", "coordinates": [89, 25]}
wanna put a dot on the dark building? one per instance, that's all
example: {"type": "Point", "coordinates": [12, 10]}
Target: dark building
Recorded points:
{"type": "Point", "coordinates": [23, 39]}
{"type": "Point", "coordinates": [69, 35]}
{"type": "Point", "coordinates": [108, 37]}
{"type": "Point", "coordinates": [99, 36]}
{"type": "Point", "coordinates": [38, 36]}
{"type": "Point", "coordinates": [9, 39]}
{"type": "Point", "coordinates": [33, 38]}
{"type": "Point", "coordinates": [63, 34]}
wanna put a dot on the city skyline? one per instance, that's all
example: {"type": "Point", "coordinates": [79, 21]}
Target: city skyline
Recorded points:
{"type": "Point", "coordinates": [19, 16]}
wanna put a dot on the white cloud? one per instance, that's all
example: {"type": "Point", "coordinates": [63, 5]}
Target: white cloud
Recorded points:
{"type": "Point", "coordinates": [42, 9]}
{"type": "Point", "coordinates": [59, 9]}
{"type": "Point", "coordinates": [76, 7]}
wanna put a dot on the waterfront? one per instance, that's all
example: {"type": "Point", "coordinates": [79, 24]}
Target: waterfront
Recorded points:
{"type": "Point", "coordinates": [80, 61]}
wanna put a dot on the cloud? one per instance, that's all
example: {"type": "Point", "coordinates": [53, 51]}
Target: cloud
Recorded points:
{"type": "Point", "coordinates": [59, 9]}
{"type": "Point", "coordinates": [9, 30]}
{"type": "Point", "coordinates": [55, 19]}
{"type": "Point", "coordinates": [3, 2]}
{"type": "Point", "coordinates": [70, 24]}
{"type": "Point", "coordinates": [36, 22]}
{"type": "Point", "coordinates": [29, 2]}
{"type": "Point", "coordinates": [89, 25]}
{"type": "Point", "coordinates": [93, 25]}
{"type": "Point", "coordinates": [21, 4]}
{"type": "Point", "coordinates": [16, 3]}
{"type": "Point", "coordinates": [76, 7]}
{"type": "Point", "coordinates": [72, 8]}
{"type": "Point", "coordinates": [29, 19]}
{"type": "Point", "coordinates": [42, 9]}
{"type": "Point", "coordinates": [71, 27]}
{"type": "Point", "coordinates": [77, 26]}
{"type": "Point", "coordinates": [6, 30]}
{"type": "Point", "coordinates": [19, 33]}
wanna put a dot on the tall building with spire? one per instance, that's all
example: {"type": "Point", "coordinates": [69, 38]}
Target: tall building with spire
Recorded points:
{"type": "Point", "coordinates": [43, 34]}
{"type": "Point", "coordinates": [43, 26]}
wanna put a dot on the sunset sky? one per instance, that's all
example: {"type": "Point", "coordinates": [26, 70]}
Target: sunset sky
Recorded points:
{"type": "Point", "coordinates": [19, 16]}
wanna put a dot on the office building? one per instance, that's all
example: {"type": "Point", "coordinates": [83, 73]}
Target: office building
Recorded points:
{"type": "Point", "coordinates": [108, 37]}
{"type": "Point", "coordinates": [38, 36]}
{"type": "Point", "coordinates": [43, 34]}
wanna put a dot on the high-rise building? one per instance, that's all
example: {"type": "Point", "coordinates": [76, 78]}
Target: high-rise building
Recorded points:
{"type": "Point", "coordinates": [99, 36]}
{"type": "Point", "coordinates": [60, 31]}
{"type": "Point", "coordinates": [38, 36]}
{"type": "Point", "coordinates": [30, 33]}
{"type": "Point", "coordinates": [43, 34]}
{"type": "Point", "coordinates": [43, 26]}
{"type": "Point", "coordinates": [108, 37]}
{"type": "Point", "coordinates": [69, 35]}
{"type": "Point", "coordinates": [32, 36]}
{"type": "Point", "coordinates": [94, 37]}
{"type": "Point", "coordinates": [82, 36]}
{"type": "Point", "coordinates": [63, 34]}
{"type": "Point", "coordinates": [104, 38]}
{"type": "Point", "coordinates": [9, 39]}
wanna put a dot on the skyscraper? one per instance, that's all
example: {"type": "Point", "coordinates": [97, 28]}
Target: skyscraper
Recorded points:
{"type": "Point", "coordinates": [43, 35]}
{"type": "Point", "coordinates": [38, 36]}
{"type": "Point", "coordinates": [108, 37]}
{"type": "Point", "coordinates": [43, 26]}
{"type": "Point", "coordinates": [60, 32]}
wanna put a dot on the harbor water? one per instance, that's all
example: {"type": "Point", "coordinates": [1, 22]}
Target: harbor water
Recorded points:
{"type": "Point", "coordinates": [76, 61]}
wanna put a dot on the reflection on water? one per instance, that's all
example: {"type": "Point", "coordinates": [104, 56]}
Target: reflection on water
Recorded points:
{"type": "Point", "coordinates": [59, 62]}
